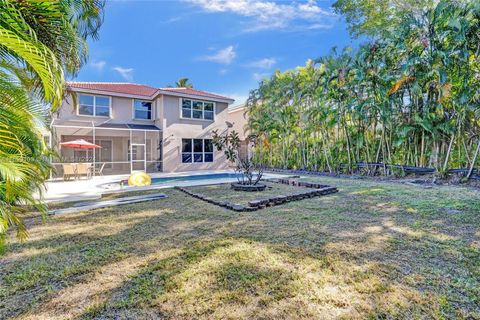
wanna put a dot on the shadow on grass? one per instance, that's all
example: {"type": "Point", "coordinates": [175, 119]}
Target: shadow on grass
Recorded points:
{"type": "Point", "coordinates": [230, 278]}
{"type": "Point", "coordinates": [244, 279]}
{"type": "Point", "coordinates": [183, 258]}
{"type": "Point", "coordinates": [28, 278]}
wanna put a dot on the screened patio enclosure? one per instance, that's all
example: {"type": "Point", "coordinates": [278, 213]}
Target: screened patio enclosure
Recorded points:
{"type": "Point", "coordinates": [124, 148]}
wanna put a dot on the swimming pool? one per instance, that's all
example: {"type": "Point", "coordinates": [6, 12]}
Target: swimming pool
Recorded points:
{"type": "Point", "coordinates": [196, 177]}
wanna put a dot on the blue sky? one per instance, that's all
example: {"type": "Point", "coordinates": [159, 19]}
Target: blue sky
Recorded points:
{"type": "Point", "coordinates": [222, 46]}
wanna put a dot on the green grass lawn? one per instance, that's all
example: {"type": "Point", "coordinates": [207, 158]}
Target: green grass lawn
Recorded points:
{"type": "Point", "coordinates": [373, 250]}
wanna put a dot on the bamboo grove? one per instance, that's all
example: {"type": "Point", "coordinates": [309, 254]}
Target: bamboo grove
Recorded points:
{"type": "Point", "coordinates": [410, 96]}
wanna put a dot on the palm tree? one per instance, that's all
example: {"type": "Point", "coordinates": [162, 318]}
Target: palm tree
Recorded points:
{"type": "Point", "coordinates": [39, 42]}
{"type": "Point", "coordinates": [183, 83]}
{"type": "Point", "coordinates": [408, 97]}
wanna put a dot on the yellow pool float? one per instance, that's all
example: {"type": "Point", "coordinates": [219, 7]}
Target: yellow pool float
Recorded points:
{"type": "Point", "coordinates": [139, 179]}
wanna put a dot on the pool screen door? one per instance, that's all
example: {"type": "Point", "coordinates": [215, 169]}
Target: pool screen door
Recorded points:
{"type": "Point", "coordinates": [138, 157]}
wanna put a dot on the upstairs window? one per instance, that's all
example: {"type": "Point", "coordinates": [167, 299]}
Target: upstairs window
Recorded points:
{"type": "Point", "coordinates": [95, 106]}
{"type": "Point", "coordinates": [197, 110]}
{"type": "Point", "coordinates": [186, 108]}
{"type": "Point", "coordinates": [208, 110]}
{"type": "Point", "coordinates": [142, 110]}
{"type": "Point", "coordinates": [194, 109]}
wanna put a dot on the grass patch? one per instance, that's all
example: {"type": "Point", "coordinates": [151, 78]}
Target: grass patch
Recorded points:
{"type": "Point", "coordinates": [116, 195]}
{"type": "Point", "coordinates": [373, 250]}
{"type": "Point", "coordinates": [224, 192]}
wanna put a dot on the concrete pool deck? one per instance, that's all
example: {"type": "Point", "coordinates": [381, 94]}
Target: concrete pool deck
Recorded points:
{"type": "Point", "coordinates": [91, 189]}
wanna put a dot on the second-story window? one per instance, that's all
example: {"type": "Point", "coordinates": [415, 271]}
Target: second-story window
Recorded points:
{"type": "Point", "coordinates": [193, 109]}
{"type": "Point", "coordinates": [94, 106]}
{"type": "Point", "coordinates": [142, 110]}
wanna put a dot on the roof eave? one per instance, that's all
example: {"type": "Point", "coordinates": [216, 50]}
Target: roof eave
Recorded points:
{"type": "Point", "coordinates": [112, 93]}
{"type": "Point", "coordinates": [193, 96]}
{"type": "Point", "coordinates": [237, 109]}
{"type": "Point", "coordinates": [153, 96]}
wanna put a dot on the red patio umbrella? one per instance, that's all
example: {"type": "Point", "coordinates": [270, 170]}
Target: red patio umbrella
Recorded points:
{"type": "Point", "coordinates": [80, 143]}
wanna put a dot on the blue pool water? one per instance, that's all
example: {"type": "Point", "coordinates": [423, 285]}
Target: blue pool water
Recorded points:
{"type": "Point", "coordinates": [196, 177]}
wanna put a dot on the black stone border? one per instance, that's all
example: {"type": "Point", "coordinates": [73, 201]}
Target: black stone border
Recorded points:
{"type": "Point", "coordinates": [254, 205]}
{"type": "Point", "coordinates": [248, 188]}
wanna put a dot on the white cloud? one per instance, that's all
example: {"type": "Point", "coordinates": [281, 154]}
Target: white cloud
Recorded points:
{"type": "Point", "coordinates": [98, 65]}
{"type": "Point", "coordinates": [265, 63]}
{"type": "Point", "coordinates": [223, 72]}
{"type": "Point", "coordinates": [126, 73]}
{"type": "Point", "coordinates": [260, 76]}
{"type": "Point", "coordinates": [310, 7]}
{"type": "Point", "coordinates": [223, 56]}
{"type": "Point", "coordinates": [268, 15]}
{"type": "Point", "coordinates": [239, 98]}
{"type": "Point", "coordinates": [316, 26]}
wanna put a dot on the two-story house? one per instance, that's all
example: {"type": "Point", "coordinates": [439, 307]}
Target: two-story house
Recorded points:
{"type": "Point", "coordinates": [140, 128]}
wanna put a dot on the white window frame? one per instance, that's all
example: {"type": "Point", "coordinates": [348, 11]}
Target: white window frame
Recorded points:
{"type": "Point", "coordinates": [94, 106]}
{"type": "Point", "coordinates": [152, 115]}
{"type": "Point", "coordinates": [192, 153]}
{"type": "Point", "coordinates": [180, 103]}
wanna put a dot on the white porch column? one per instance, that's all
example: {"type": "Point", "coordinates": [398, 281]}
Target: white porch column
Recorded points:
{"type": "Point", "coordinates": [131, 152]}
{"type": "Point", "coordinates": [145, 150]}
{"type": "Point", "coordinates": [93, 149]}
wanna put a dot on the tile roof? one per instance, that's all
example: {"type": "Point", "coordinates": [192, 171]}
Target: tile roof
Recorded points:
{"type": "Point", "coordinates": [140, 89]}
{"type": "Point", "coordinates": [195, 92]}
{"type": "Point", "coordinates": [117, 87]}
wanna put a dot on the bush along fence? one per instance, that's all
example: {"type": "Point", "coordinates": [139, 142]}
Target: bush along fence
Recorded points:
{"type": "Point", "coordinates": [406, 96]}
{"type": "Point", "coordinates": [309, 190]}
{"type": "Point", "coordinates": [383, 169]}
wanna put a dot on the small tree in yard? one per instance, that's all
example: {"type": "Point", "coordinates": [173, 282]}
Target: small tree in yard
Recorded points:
{"type": "Point", "coordinates": [230, 144]}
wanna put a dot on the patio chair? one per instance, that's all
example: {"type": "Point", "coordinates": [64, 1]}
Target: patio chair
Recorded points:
{"type": "Point", "coordinates": [84, 169]}
{"type": "Point", "coordinates": [68, 171]}
{"type": "Point", "coordinates": [99, 171]}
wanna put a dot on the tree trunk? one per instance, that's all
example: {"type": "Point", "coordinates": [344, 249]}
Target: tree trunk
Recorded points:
{"type": "Point", "coordinates": [447, 156]}
{"type": "Point", "coordinates": [326, 156]}
{"type": "Point", "coordinates": [472, 165]}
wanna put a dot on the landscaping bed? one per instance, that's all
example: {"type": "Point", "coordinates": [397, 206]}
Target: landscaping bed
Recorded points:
{"type": "Point", "coordinates": [280, 191]}
{"type": "Point", "coordinates": [224, 192]}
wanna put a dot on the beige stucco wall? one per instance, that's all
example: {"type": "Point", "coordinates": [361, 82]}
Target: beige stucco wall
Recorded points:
{"type": "Point", "coordinates": [238, 118]}
{"type": "Point", "coordinates": [175, 128]}
{"type": "Point", "coordinates": [121, 111]}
